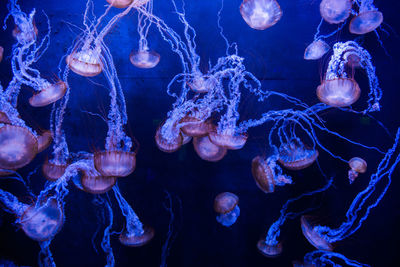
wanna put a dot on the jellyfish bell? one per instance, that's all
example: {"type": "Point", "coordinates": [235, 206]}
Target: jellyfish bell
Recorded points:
{"type": "Point", "coordinates": [168, 145]}
{"type": "Point", "coordinates": [115, 163]}
{"type": "Point", "coordinates": [312, 235]}
{"type": "Point", "coordinates": [85, 62]}
{"type": "Point", "coordinates": [94, 183]}
{"type": "Point", "coordinates": [270, 251]}
{"type": "Point", "coordinates": [200, 83]}
{"type": "Point", "coordinates": [207, 150]}
{"type": "Point", "coordinates": [294, 155]}
{"type": "Point", "coordinates": [228, 219]}
{"type": "Point", "coordinates": [195, 127]}
{"type": "Point", "coordinates": [316, 50]}
{"type": "Point", "coordinates": [351, 58]}
{"type": "Point", "coordinates": [120, 3]}
{"type": "Point", "coordinates": [335, 11]}
{"type": "Point", "coordinates": [263, 175]}
{"type": "Point", "coordinates": [358, 164]}
{"type": "Point", "coordinates": [225, 202]}
{"type": "Point", "coordinates": [366, 22]}
{"type": "Point", "coordinates": [228, 139]}
{"type": "Point", "coordinates": [340, 92]}
{"type": "Point", "coordinates": [42, 222]}
{"type": "Point", "coordinates": [44, 140]}
{"type": "Point", "coordinates": [48, 95]}
{"type": "Point", "coordinates": [137, 240]}
{"type": "Point", "coordinates": [18, 146]}
{"type": "Point", "coordinates": [260, 14]}
{"type": "Point", "coordinates": [53, 171]}
{"type": "Point", "coordinates": [144, 59]}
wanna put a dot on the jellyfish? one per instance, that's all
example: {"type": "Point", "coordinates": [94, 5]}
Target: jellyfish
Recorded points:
{"type": "Point", "coordinates": [260, 14]}
{"type": "Point", "coordinates": [315, 239]}
{"type": "Point", "coordinates": [120, 3]}
{"type": "Point", "coordinates": [53, 171]}
{"type": "Point", "coordinates": [195, 124]}
{"type": "Point", "coordinates": [207, 150]}
{"type": "Point", "coordinates": [168, 140]}
{"type": "Point", "coordinates": [316, 50]}
{"type": "Point", "coordinates": [294, 155]}
{"type": "Point", "coordinates": [325, 258]}
{"type": "Point", "coordinates": [357, 165]}
{"type": "Point", "coordinates": [226, 204]}
{"type": "Point", "coordinates": [95, 183]}
{"type": "Point", "coordinates": [1, 53]}
{"type": "Point", "coordinates": [367, 19]}
{"type": "Point", "coordinates": [44, 140]}
{"type": "Point", "coordinates": [335, 11]}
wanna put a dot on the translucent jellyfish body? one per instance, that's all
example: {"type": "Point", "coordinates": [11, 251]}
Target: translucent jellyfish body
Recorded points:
{"type": "Point", "coordinates": [263, 175]}
{"type": "Point", "coordinates": [52, 171]}
{"type": "Point", "coordinates": [48, 95]}
{"type": "Point", "coordinates": [94, 183]}
{"type": "Point", "coordinates": [366, 22]}
{"type": "Point", "coordinates": [226, 204]}
{"type": "Point", "coordinates": [43, 222]}
{"type": "Point", "coordinates": [168, 144]}
{"type": "Point", "coordinates": [200, 83]}
{"type": "Point", "coordinates": [207, 150]}
{"type": "Point", "coordinates": [228, 140]}
{"type": "Point", "coordinates": [357, 165]}
{"type": "Point", "coordinates": [270, 251]}
{"type": "Point", "coordinates": [340, 92]}
{"type": "Point", "coordinates": [294, 155]}
{"type": "Point", "coordinates": [18, 146]}
{"type": "Point", "coordinates": [86, 62]}
{"type": "Point", "coordinates": [115, 163]}
{"type": "Point", "coordinates": [316, 50]}
{"type": "Point", "coordinates": [119, 3]}
{"type": "Point", "coordinates": [195, 127]}
{"type": "Point", "coordinates": [335, 11]}
{"type": "Point", "coordinates": [144, 59]}
{"type": "Point", "coordinates": [135, 239]}
{"type": "Point", "coordinates": [1, 53]}
{"type": "Point", "coordinates": [27, 33]}
{"type": "Point", "coordinates": [312, 235]}
{"type": "Point", "coordinates": [44, 140]}
{"type": "Point", "coordinates": [260, 14]}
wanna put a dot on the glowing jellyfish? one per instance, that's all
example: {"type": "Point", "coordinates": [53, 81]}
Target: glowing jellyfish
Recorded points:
{"type": "Point", "coordinates": [200, 83]}
{"type": "Point", "coordinates": [1, 53]}
{"type": "Point", "coordinates": [44, 140]}
{"type": "Point", "coordinates": [340, 92]}
{"type": "Point", "coordinates": [115, 163]}
{"type": "Point", "coordinates": [365, 22]}
{"type": "Point", "coordinates": [260, 14]}
{"type": "Point", "coordinates": [294, 155]}
{"type": "Point", "coordinates": [357, 165]}
{"type": "Point", "coordinates": [86, 63]}
{"type": "Point", "coordinates": [42, 221]}
{"type": "Point", "coordinates": [137, 240]}
{"type": "Point", "coordinates": [168, 143]}
{"type": "Point", "coordinates": [144, 59]}
{"type": "Point", "coordinates": [195, 127]}
{"type": "Point", "coordinates": [228, 139]}
{"type": "Point", "coordinates": [94, 183]}
{"type": "Point", "coordinates": [18, 146]}
{"type": "Point", "coordinates": [316, 50]}
{"type": "Point", "coordinates": [270, 251]}
{"type": "Point", "coordinates": [312, 235]}
{"type": "Point", "coordinates": [207, 150]}
{"type": "Point", "coordinates": [25, 31]}
{"type": "Point", "coordinates": [120, 3]}
{"type": "Point", "coordinates": [226, 204]}
{"type": "Point", "coordinates": [335, 11]}
{"type": "Point", "coordinates": [48, 95]}
{"type": "Point", "coordinates": [52, 171]}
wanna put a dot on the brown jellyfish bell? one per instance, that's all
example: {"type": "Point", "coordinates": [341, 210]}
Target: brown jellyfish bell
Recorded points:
{"type": "Point", "coordinates": [194, 126]}
{"type": "Point", "coordinates": [48, 95]}
{"type": "Point", "coordinates": [312, 236]}
{"type": "Point", "coordinates": [52, 171]}
{"type": "Point", "coordinates": [168, 145]}
{"type": "Point", "coordinates": [44, 140]}
{"type": "Point", "coordinates": [137, 240]}
{"type": "Point", "coordinates": [94, 183]}
{"type": "Point", "coordinates": [120, 3]}
{"type": "Point", "coordinates": [225, 202]}
{"type": "Point", "coordinates": [339, 92]}
{"type": "Point", "coordinates": [207, 150]}
{"type": "Point", "coordinates": [269, 251]}
{"type": "Point", "coordinates": [263, 175]}
{"type": "Point", "coordinates": [357, 165]}
{"type": "Point", "coordinates": [365, 22]}
{"type": "Point", "coordinates": [260, 14]}
{"type": "Point", "coordinates": [115, 162]}
{"type": "Point", "coordinates": [228, 139]}
{"type": "Point", "coordinates": [144, 59]}
{"type": "Point", "coordinates": [335, 11]}
{"type": "Point", "coordinates": [294, 155]}
{"type": "Point", "coordinates": [316, 50]}
{"type": "Point", "coordinates": [86, 63]}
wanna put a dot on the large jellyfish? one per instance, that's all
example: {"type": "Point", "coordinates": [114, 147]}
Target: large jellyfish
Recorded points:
{"type": "Point", "coordinates": [367, 19]}
{"type": "Point", "coordinates": [335, 11]}
{"type": "Point", "coordinates": [260, 14]}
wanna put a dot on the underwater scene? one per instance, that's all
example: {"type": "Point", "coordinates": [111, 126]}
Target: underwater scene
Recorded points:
{"type": "Point", "coordinates": [185, 133]}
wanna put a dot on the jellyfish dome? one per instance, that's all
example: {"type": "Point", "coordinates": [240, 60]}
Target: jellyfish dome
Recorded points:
{"type": "Point", "coordinates": [94, 183]}
{"type": "Point", "coordinates": [18, 146]}
{"type": "Point", "coordinates": [313, 236]}
{"type": "Point", "coordinates": [207, 150]}
{"type": "Point", "coordinates": [195, 127]}
{"type": "Point", "coordinates": [340, 92]}
{"type": "Point", "coordinates": [228, 219]}
{"type": "Point", "coordinates": [263, 175]}
{"type": "Point", "coordinates": [296, 156]}
{"type": "Point", "coordinates": [366, 22]}
{"type": "Point", "coordinates": [270, 251]}
{"type": "Point", "coordinates": [260, 14]}
{"type": "Point", "coordinates": [225, 202]}
{"type": "Point", "coordinates": [42, 222]}
{"type": "Point", "coordinates": [228, 140]}
{"type": "Point", "coordinates": [335, 11]}
{"type": "Point", "coordinates": [144, 59]}
{"type": "Point", "coordinates": [352, 58]}
{"type": "Point", "coordinates": [44, 140]}
{"type": "Point", "coordinates": [48, 95]}
{"type": "Point", "coordinates": [86, 62]}
{"type": "Point", "coordinates": [120, 3]}
{"type": "Point", "coordinates": [200, 83]}
{"type": "Point", "coordinates": [115, 163]}
{"type": "Point", "coordinates": [168, 145]}
{"type": "Point", "coordinates": [52, 171]}
{"type": "Point", "coordinates": [316, 50]}
{"type": "Point", "coordinates": [358, 165]}
{"type": "Point", "coordinates": [137, 239]}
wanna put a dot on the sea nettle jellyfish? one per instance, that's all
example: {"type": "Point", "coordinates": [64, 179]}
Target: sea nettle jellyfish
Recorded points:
{"type": "Point", "coordinates": [50, 94]}
{"type": "Point", "coordinates": [94, 183]}
{"type": "Point", "coordinates": [85, 62]}
{"type": "Point", "coordinates": [367, 20]}
{"type": "Point", "coordinates": [313, 236]}
{"type": "Point", "coordinates": [228, 139]}
{"type": "Point", "coordinates": [115, 163]}
{"type": "Point", "coordinates": [169, 142]}
{"type": "Point", "coordinates": [335, 11]}
{"type": "Point", "coordinates": [144, 59]}
{"type": "Point", "coordinates": [52, 171]}
{"type": "Point", "coordinates": [207, 150]}
{"type": "Point", "coordinates": [269, 251]}
{"type": "Point", "coordinates": [195, 126]}
{"type": "Point", "coordinates": [340, 92]}
{"type": "Point", "coordinates": [137, 240]}
{"type": "Point", "coordinates": [260, 14]}
{"type": "Point", "coordinates": [44, 140]}
{"type": "Point", "coordinates": [226, 204]}
{"type": "Point", "coordinates": [357, 165]}
{"type": "Point", "coordinates": [200, 83]}
{"type": "Point", "coordinates": [316, 50]}
{"type": "Point", "coordinates": [263, 175]}
{"type": "Point", "coordinates": [294, 155]}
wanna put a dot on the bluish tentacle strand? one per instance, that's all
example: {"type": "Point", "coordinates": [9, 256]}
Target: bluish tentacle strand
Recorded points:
{"type": "Point", "coordinates": [45, 256]}
{"type": "Point", "coordinates": [106, 243]}
{"type": "Point", "coordinates": [329, 258]}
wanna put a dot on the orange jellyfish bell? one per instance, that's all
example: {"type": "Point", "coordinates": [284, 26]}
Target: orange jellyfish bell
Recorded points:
{"type": "Point", "coordinates": [263, 175]}
{"type": "Point", "coordinates": [366, 22]}
{"type": "Point", "coordinates": [94, 183]}
{"type": "Point", "coordinates": [358, 165]}
{"type": "Point", "coordinates": [296, 156]}
{"type": "Point", "coordinates": [312, 236]}
{"type": "Point", "coordinates": [134, 240]}
{"type": "Point", "coordinates": [340, 92]}
{"type": "Point", "coordinates": [86, 63]}
{"type": "Point", "coordinates": [115, 163]}
{"type": "Point", "coordinates": [168, 145]}
{"type": "Point", "coordinates": [225, 202]}
{"type": "Point", "coordinates": [18, 146]}
{"type": "Point", "coordinates": [335, 11]}
{"type": "Point", "coordinates": [44, 140]}
{"type": "Point", "coordinates": [144, 59]}
{"type": "Point", "coordinates": [52, 171]}
{"type": "Point", "coordinates": [228, 140]}
{"type": "Point", "coordinates": [195, 127]}
{"type": "Point", "coordinates": [120, 3]}
{"type": "Point", "coordinates": [207, 150]}
{"type": "Point", "coordinates": [260, 14]}
{"type": "Point", "coordinates": [269, 251]}
{"type": "Point", "coordinates": [316, 50]}
{"type": "Point", "coordinates": [48, 95]}
{"type": "Point", "coordinates": [201, 83]}
{"type": "Point", "coordinates": [1, 53]}
{"type": "Point", "coordinates": [4, 118]}
{"type": "Point", "coordinates": [43, 222]}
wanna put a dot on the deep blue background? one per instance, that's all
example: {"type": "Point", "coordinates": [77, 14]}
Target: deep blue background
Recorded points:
{"type": "Point", "coordinates": [275, 56]}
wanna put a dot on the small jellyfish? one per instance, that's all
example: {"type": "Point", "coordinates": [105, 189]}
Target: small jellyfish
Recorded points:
{"type": "Point", "coordinates": [207, 150]}
{"type": "Point", "coordinates": [312, 235]}
{"type": "Point", "coordinates": [94, 183]}
{"type": "Point", "coordinates": [52, 171]}
{"type": "Point", "coordinates": [335, 11]}
{"type": "Point", "coordinates": [27, 34]}
{"type": "Point", "coordinates": [339, 92]}
{"type": "Point", "coordinates": [48, 95]}
{"type": "Point", "coordinates": [1, 53]}
{"type": "Point", "coordinates": [270, 251]}
{"type": "Point", "coordinates": [226, 204]}
{"type": "Point", "coordinates": [115, 163]}
{"type": "Point", "coordinates": [260, 14]}
{"type": "Point", "coordinates": [18, 146]}
{"type": "Point", "coordinates": [357, 165]}
{"type": "Point", "coordinates": [228, 140]}
{"type": "Point", "coordinates": [42, 222]}
{"type": "Point", "coordinates": [294, 155]}
{"type": "Point", "coordinates": [86, 62]}
{"type": "Point", "coordinates": [195, 127]}
{"type": "Point", "coordinates": [352, 58]}
{"type": "Point", "coordinates": [366, 22]}
{"type": "Point", "coordinates": [44, 140]}
{"type": "Point", "coordinates": [144, 59]}
{"type": "Point", "coordinates": [263, 175]}
{"type": "Point", "coordinates": [168, 145]}
{"type": "Point", "coordinates": [137, 240]}
{"type": "Point", "coordinates": [200, 83]}
{"type": "Point", "coordinates": [316, 50]}
{"type": "Point", "coordinates": [120, 3]}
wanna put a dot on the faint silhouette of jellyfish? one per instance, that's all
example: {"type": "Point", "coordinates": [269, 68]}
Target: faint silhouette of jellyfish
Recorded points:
{"type": "Point", "coordinates": [144, 58]}
{"type": "Point", "coordinates": [260, 14]}
{"type": "Point", "coordinates": [1, 53]}
{"type": "Point", "coordinates": [207, 150]}
{"type": "Point", "coordinates": [367, 19]}
{"type": "Point", "coordinates": [328, 258]}
{"type": "Point", "coordinates": [323, 237]}
{"type": "Point", "coordinates": [294, 155]}
{"type": "Point", "coordinates": [357, 165]}
{"type": "Point", "coordinates": [316, 50]}
{"type": "Point", "coordinates": [335, 11]}
{"type": "Point", "coordinates": [226, 204]}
